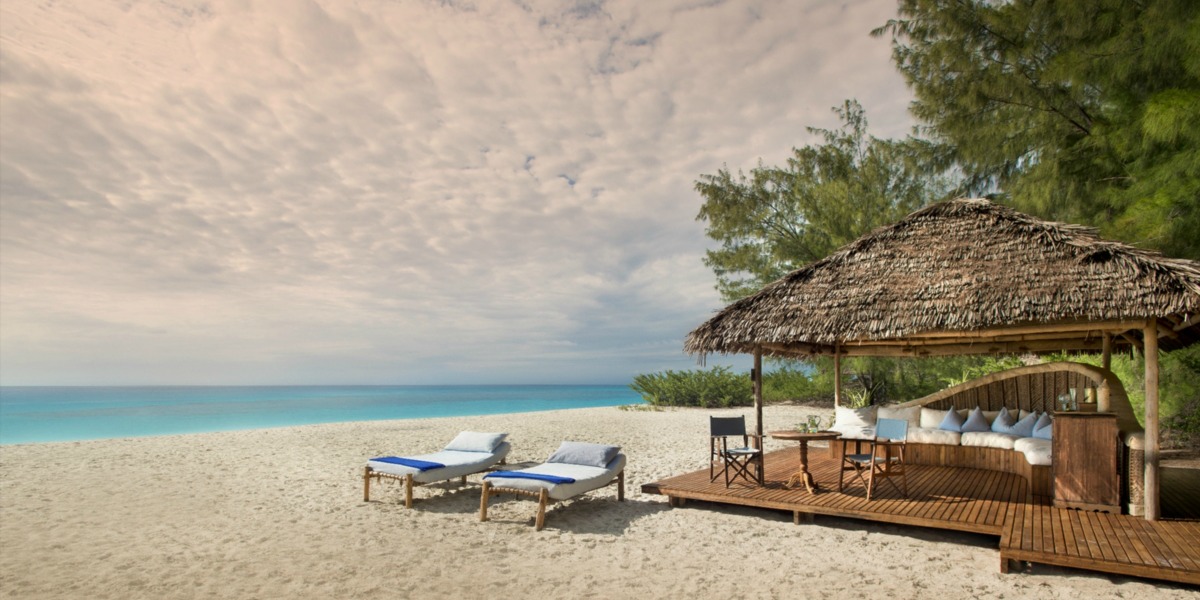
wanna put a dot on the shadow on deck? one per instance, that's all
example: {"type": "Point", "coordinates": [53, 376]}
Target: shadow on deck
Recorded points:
{"type": "Point", "coordinates": [980, 501]}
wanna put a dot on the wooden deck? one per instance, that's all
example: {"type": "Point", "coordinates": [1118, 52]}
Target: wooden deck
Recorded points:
{"type": "Point", "coordinates": [981, 501]}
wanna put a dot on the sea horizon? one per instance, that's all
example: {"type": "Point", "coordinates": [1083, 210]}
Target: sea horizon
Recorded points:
{"type": "Point", "coordinates": [56, 413]}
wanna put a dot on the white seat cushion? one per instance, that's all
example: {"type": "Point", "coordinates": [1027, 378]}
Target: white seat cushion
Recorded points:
{"type": "Point", "coordinates": [988, 439]}
{"type": "Point", "coordinates": [1037, 451]}
{"type": "Point", "coordinates": [933, 435]}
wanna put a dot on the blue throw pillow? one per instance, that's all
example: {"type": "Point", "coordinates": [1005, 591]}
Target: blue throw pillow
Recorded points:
{"type": "Point", "coordinates": [1024, 427]}
{"type": "Point", "coordinates": [976, 422]}
{"type": "Point", "coordinates": [1044, 427]}
{"type": "Point", "coordinates": [952, 421]}
{"type": "Point", "coordinates": [1003, 422]}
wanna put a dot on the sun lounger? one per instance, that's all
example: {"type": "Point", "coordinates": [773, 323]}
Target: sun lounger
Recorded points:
{"type": "Point", "coordinates": [575, 468]}
{"type": "Point", "coordinates": [470, 452]}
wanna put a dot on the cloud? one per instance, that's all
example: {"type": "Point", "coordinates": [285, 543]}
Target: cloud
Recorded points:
{"type": "Point", "coordinates": [390, 192]}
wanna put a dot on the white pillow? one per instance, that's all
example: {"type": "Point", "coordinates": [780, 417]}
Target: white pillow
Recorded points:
{"type": "Point", "coordinates": [931, 418]}
{"type": "Point", "coordinates": [854, 417]}
{"type": "Point", "coordinates": [471, 441]}
{"type": "Point", "coordinates": [912, 414]}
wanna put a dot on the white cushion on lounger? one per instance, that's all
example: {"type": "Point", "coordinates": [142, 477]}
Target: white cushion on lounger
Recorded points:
{"type": "Point", "coordinates": [1036, 451]}
{"type": "Point", "coordinates": [587, 478]}
{"type": "Point", "coordinates": [988, 439]}
{"type": "Point", "coordinates": [933, 435]}
{"type": "Point", "coordinates": [457, 464]}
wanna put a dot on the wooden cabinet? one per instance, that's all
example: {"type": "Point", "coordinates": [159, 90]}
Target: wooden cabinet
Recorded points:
{"type": "Point", "coordinates": [1085, 461]}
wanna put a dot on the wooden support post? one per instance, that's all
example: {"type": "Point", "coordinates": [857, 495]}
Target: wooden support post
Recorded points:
{"type": "Point", "coordinates": [1150, 339]}
{"type": "Point", "coordinates": [483, 500]}
{"type": "Point", "coordinates": [543, 499]}
{"type": "Point", "coordinates": [758, 399]}
{"type": "Point", "coordinates": [408, 486]}
{"type": "Point", "coordinates": [621, 486]}
{"type": "Point", "coordinates": [1106, 352]}
{"type": "Point", "coordinates": [366, 484]}
{"type": "Point", "coordinates": [837, 375]}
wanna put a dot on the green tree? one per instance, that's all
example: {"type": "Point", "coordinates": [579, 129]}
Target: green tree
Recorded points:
{"type": "Point", "coordinates": [1085, 111]}
{"type": "Point", "coordinates": [779, 219]}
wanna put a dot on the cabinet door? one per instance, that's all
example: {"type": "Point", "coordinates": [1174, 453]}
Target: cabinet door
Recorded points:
{"type": "Point", "coordinates": [1085, 461]}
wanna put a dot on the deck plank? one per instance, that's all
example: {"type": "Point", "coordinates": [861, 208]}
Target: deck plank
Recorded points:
{"type": "Point", "coordinates": [988, 502]}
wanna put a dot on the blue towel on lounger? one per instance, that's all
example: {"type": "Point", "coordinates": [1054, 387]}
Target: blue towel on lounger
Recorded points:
{"type": "Point", "coordinates": [526, 475]}
{"type": "Point", "coordinates": [421, 465]}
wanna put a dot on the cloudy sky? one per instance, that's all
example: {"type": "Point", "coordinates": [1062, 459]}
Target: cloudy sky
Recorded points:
{"type": "Point", "coordinates": [391, 191]}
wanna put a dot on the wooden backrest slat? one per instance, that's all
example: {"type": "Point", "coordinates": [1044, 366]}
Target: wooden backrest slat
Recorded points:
{"type": "Point", "coordinates": [1035, 388]}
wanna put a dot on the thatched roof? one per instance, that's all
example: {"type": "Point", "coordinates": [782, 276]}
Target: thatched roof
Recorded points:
{"type": "Point", "coordinates": [962, 277]}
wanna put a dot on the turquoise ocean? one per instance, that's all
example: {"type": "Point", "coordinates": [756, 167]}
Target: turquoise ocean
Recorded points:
{"type": "Point", "coordinates": [57, 414]}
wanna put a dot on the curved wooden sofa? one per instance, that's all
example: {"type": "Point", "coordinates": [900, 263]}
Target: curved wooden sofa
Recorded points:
{"type": "Point", "coordinates": [1036, 388]}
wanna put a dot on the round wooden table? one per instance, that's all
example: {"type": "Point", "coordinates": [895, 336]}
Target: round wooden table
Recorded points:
{"type": "Point", "coordinates": [804, 438]}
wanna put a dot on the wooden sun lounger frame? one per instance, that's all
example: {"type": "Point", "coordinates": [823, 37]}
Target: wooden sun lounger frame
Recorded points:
{"type": "Point", "coordinates": [407, 480]}
{"type": "Point", "coordinates": [542, 496]}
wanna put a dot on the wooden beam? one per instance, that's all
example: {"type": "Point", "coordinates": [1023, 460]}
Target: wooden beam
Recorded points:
{"type": "Point", "coordinates": [1106, 352]}
{"type": "Point", "coordinates": [899, 348]}
{"type": "Point", "coordinates": [798, 349]}
{"type": "Point", "coordinates": [968, 348]}
{"type": "Point", "coordinates": [1072, 326]}
{"type": "Point", "coordinates": [837, 377]}
{"type": "Point", "coordinates": [1195, 319]}
{"type": "Point", "coordinates": [991, 339]}
{"type": "Point", "coordinates": [1151, 488]}
{"type": "Point", "coordinates": [758, 399]}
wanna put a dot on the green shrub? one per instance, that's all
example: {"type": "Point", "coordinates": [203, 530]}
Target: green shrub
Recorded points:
{"type": "Point", "coordinates": [716, 387]}
{"type": "Point", "coordinates": [788, 383]}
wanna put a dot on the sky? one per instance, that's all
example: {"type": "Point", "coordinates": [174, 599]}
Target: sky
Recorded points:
{"type": "Point", "coordinates": [241, 192]}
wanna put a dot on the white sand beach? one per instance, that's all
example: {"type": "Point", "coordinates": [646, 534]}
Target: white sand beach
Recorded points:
{"type": "Point", "coordinates": [279, 514]}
